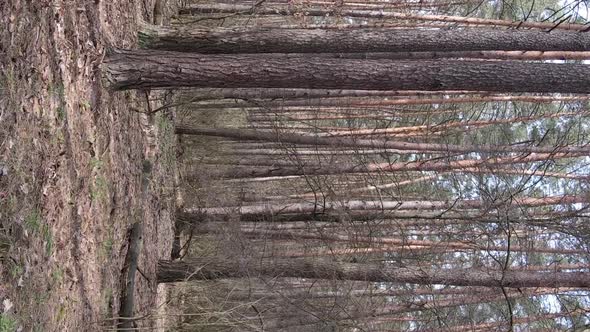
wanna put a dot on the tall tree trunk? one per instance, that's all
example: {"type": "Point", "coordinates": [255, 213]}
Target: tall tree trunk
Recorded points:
{"type": "Point", "coordinates": [372, 143]}
{"type": "Point", "coordinates": [419, 165]}
{"type": "Point", "coordinates": [443, 126]}
{"type": "Point", "coordinates": [415, 305]}
{"type": "Point", "coordinates": [389, 244]}
{"type": "Point", "coordinates": [309, 152]}
{"type": "Point", "coordinates": [143, 69]}
{"type": "Point", "coordinates": [217, 268]}
{"type": "Point", "coordinates": [508, 325]}
{"type": "Point", "coordinates": [365, 5]}
{"type": "Point", "coordinates": [498, 55]}
{"type": "Point", "coordinates": [268, 40]}
{"type": "Point", "coordinates": [376, 14]}
{"type": "Point", "coordinates": [379, 102]}
{"type": "Point", "coordinates": [389, 205]}
{"type": "Point", "coordinates": [275, 93]}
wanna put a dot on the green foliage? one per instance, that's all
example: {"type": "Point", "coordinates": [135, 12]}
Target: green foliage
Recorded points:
{"type": "Point", "coordinates": [107, 248]}
{"type": "Point", "coordinates": [57, 276]}
{"type": "Point", "coordinates": [5, 244]}
{"type": "Point", "coordinates": [47, 238]}
{"type": "Point", "coordinates": [7, 323]}
{"type": "Point", "coordinates": [514, 10]}
{"type": "Point", "coordinates": [61, 113]}
{"type": "Point", "coordinates": [33, 221]}
{"type": "Point", "coordinates": [16, 270]}
{"type": "Point", "coordinates": [96, 163]}
{"type": "Point", "coordinates": [36, 226]}
{"type": "Point", "coordinates": [99, 189]}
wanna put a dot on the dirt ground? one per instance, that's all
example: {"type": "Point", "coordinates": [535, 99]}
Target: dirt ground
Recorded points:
{"type": "Point", "coordinates": [83, 164]}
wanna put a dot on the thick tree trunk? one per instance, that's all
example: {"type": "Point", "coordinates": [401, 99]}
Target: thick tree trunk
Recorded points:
{"type": "Point", "coordinates": [376, 14]}
{"type": "Point", "coordinates": [143, 69]}
{"type": "Point", "coordinates": [269, 40]}
{"type": "Point", "coordinates": [217, 268]}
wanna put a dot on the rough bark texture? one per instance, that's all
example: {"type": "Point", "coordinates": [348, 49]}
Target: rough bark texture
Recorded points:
{"type": "Point", "coordinates": [216, 268]}
{"type": "Point", "coordinates": [270, 40]}
{"type": "Point", "coordinates": [501, 55]}
{"type": "Point", "coordinates": [131, 261]}
{"type": "Point", "coordinates": [144, 69]}
{"type": "Point", "coordinates": [364, 102]}
{"type": "Point", "coordinates": [270, 93]}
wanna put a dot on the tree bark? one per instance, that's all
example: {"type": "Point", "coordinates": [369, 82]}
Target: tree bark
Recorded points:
{"type": "Point", "coordinates": [269, 40]}
{"type": "Point", "coordinates": [286, 105]}
{"type": "Point", "coordinates": [475, 170]}
{"type": "Point", "coordinates": [375, 14]}
{"type": "Point", "coordinates": [391, 244]}
{"type": "Point", "coordinates": [508, 325]}
{"type": "Point", "coordinates": [384, 143]}
{"type": "Point", "coordinates": [217, 268]}
{"type": "Point", "coordinates": [497, 55]}
{"type": "Point", "coordinates": [443, 126]}
{"type": "Point", "coordinates": [274, 93]}
{"type": "Point", "coordinates": [144, 69]}
{"type": "Point", "coordinates": [426, 165]}
{"type": "Point", "coordinates": [388, 205]}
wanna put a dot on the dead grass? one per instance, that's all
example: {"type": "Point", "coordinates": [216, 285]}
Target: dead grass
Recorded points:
{"type": "Point", "coordinates": [75, 154]}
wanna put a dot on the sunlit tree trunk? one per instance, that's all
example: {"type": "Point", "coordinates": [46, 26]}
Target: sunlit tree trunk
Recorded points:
{"type": "Point", "coordinates": [284, 10]}
{"type": "Point", "coordinates": [389, 205]}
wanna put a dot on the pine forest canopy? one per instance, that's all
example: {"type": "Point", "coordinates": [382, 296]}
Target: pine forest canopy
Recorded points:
{"type": "Point", "coordinates": [375, 165]}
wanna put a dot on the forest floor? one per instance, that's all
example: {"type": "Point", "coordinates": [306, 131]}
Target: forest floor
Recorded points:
{"type": "Point", "coordinates": [84, 163]}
